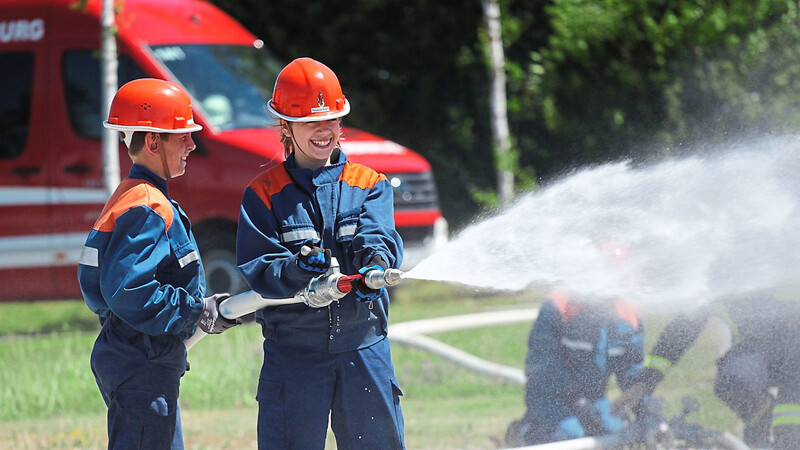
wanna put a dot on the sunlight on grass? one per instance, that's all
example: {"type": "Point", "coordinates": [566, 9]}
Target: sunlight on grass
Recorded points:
{"type": "Point", "coordinates": [48, 397]}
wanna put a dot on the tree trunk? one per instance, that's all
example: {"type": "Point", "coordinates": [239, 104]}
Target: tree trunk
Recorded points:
{"type": "Point", "coordinates": [500, 133]}
{"type": "Point", "coordinates": [109, 86]}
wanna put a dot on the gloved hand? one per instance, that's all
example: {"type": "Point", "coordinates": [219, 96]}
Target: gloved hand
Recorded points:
{"type": "Point", "coordinates": [629, 399]}
{"type": "Point", "coordinates": [609, 423]}
{"type": "Point", "coordinates": [596, 417]}
{"type": "Point", "coordinates": [211, 321]}
{"type": "Point", "coordinates": [316, 260]}
{"type": "Point", "coordinates": [569, 428]}
{"type": "Point", "coordinates": [363, 292]}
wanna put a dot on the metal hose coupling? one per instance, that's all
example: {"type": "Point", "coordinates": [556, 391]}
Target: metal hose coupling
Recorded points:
{"type": "Point", "coordinates": [375, 279]}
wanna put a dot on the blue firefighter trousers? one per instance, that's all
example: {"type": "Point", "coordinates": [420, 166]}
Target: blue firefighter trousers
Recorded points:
{"type": "Point", "coordinates": [139, 378]}
{"type": "Point", "coordinates": [299, 389]}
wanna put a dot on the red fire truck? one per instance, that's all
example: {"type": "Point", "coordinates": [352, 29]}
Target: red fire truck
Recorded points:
{"type": "Point", "coordinates": [51, 181]}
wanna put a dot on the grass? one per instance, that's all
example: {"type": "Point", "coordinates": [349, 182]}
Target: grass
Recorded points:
{"type": "Point", "coordinates": [48, 398]}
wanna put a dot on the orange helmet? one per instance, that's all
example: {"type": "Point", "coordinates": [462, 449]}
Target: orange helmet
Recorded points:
{"type": "Point", "coordinates": [307, 91]}
{"type": "Point", "coordinates": [149, 104]}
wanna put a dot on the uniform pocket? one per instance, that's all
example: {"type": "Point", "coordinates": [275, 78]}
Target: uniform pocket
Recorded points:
{"type": "Point", "coordinates": [269, 391]}
{"type": "Point", "coordinates": [396, 391]}
{"type": "Point", "coordinates": [144, 402]}
{"type": "Point", "coordinates": [398, 411]}
{"type": "Point", "coordinates": [271, 414]}
{"type": "Point", "coordinates": [142, 419]}
{"type": "Point", "coordinates": [166, 351]}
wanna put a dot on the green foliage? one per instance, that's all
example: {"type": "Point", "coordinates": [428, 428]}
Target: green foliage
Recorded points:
{"type": "Point", "coordinates": [623, 78]}
{"type": "Point", "coordinates": [588, 80]}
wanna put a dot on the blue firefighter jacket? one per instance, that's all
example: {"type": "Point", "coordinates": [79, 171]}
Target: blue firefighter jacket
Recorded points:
{"type": "Point", "coordinates": [141, 262]}
{"type": "Point", "coordinates": [346, 206]}
{"type": "Point", "coordinates": [573, 349]}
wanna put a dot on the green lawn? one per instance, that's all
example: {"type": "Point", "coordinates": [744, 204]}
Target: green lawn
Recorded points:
{"type": "Point", "coordinates": [48, 398]}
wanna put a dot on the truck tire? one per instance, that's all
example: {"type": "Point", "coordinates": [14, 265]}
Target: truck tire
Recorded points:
{"type": "Point", "coordinates": [219, 261]}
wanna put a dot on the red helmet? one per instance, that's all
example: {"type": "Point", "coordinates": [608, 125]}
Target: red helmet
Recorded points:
{"type": "Point", "coordinates": [613, 250]}
{"type": "Point", "coordinates": [149, 104]}
{"type": "Point", "coordinates": [307, 91]}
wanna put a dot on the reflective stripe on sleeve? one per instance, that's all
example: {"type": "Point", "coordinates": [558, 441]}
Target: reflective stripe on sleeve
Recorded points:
{"type": "Point", "coordinates": [577, 345]}
{"type": "Point", "coordinates": [300, 235]}
{"type": "Point", "coordinates": [189, 258]}
{"type": "Point", "coordinates": [89, 257]}
{"type": "Point", "coordinates": [616, 351]}
{"type": "Point", "coordinates": [786, 414]}
{"type": "Point", "coordinates": [348, 230]}
{"type": "Point", "coordinates": [657, 363]}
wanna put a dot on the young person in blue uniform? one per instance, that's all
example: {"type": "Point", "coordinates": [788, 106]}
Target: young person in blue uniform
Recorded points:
{"type": "Point", "coordinates": [140, 272]}
{"type": "Point", "coordinates": [322, 359]}
{"type": "Point", "coordinates": [575, 345]}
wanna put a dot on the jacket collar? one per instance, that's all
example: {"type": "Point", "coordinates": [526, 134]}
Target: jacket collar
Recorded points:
{"type": "Point", "coordinates": [147, 175]}
{"type": "Point", "coordinates": [323, 175]}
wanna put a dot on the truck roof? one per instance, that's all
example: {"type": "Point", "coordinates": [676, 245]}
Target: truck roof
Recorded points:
{"type": "Point", "coordinates": [176, 22]}
{"type": "Point", "coordinates": [152, 21]}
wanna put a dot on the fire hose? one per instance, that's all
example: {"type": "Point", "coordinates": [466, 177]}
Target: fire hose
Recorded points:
{"type": "Point", "coordinates": [332, 286]}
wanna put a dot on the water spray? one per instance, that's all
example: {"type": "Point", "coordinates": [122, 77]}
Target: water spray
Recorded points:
{"type": "Point", "coordinates": [720, 222]}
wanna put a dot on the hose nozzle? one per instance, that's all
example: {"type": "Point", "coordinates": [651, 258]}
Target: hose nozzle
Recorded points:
{"type": "Point", "coordinates": [393, 276]}
{"type": "Point", "coordinates": [376, 279]}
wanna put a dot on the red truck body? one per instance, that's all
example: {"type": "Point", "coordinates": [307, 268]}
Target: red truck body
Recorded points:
{"type": "Point", "coordinates": [51, 163]}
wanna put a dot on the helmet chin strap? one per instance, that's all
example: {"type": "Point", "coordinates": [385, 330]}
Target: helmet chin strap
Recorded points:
{"type": "Point", "coordinates": [167, 174]}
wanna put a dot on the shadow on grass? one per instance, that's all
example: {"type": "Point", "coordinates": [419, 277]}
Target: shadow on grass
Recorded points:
{"type": "Point", "coordinates": [46, 317]}
{"type": "Point", "coordinates": [74, 324]}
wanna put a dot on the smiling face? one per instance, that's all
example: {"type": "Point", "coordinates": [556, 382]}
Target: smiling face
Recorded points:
{"type": "Point", "coordinates": [177, 148]}
{"type": "Point", "coordinates": [314, 141]}
{"type": "Point", "coordinates": [163, 153]}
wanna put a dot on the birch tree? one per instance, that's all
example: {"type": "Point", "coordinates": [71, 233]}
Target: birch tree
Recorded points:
{"type": "Point", "coordinates": [110, 83]}
{"type": "Point", "coordinates": [501, 141]}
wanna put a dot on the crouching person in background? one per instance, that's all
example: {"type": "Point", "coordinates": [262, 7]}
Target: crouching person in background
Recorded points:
{"type": "Point", "coordinates": [573, 349]}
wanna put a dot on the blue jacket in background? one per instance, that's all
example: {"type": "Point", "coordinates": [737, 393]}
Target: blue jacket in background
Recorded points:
{"type": "Point", "coordinates": [346, 206]}
{"type": "Point", "coordinates": [573, 349]}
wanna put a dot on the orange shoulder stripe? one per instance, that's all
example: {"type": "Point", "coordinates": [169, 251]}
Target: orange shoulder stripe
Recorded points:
{"type": "Point", "coordinates": [360, 176]}
{"type": "Point", "coordinates": [129, 194]}
{"type": "Point", "coordinates": [627, 312]}
{"type": "Point", "coordinates": [567, 308]}
{"type": "Point", "coordinates": [270, 182]}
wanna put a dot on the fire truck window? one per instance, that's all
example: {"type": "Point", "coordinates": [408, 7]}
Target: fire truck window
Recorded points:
{"type": "Point", "coordinates": [82, 87]}
{"type": "Point", "coordinates": [15, 103]}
